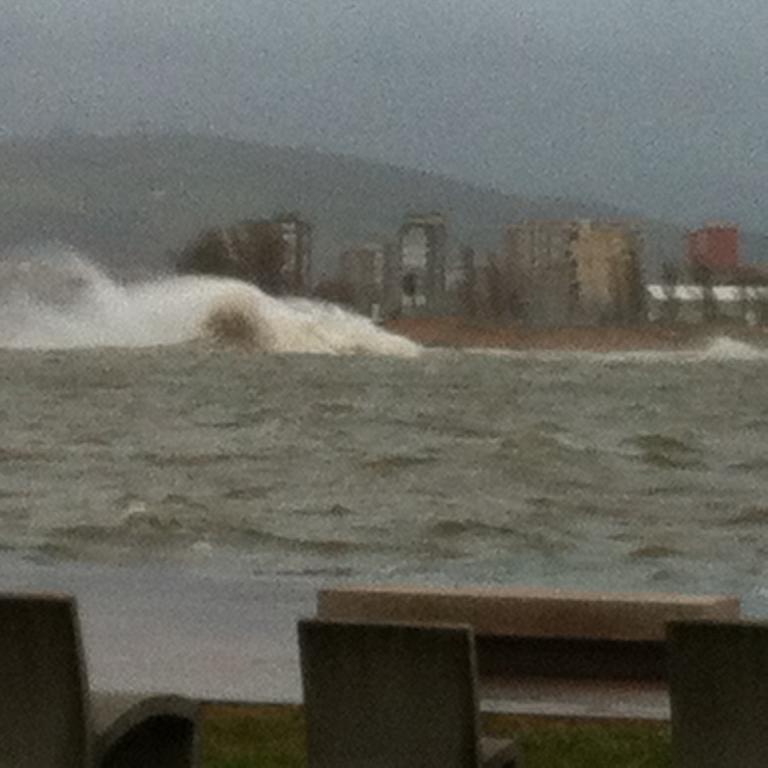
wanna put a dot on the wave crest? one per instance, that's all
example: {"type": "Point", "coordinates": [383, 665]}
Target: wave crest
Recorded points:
{"type": "Point", "coordinates": [55, 298]}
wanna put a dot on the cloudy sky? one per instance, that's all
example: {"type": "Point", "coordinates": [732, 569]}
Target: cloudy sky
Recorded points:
{"type": "Point", "coordinates": [654, 105]}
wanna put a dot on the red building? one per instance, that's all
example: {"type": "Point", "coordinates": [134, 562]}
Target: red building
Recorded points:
{"type": "Point", "coordinates": [714, 246]}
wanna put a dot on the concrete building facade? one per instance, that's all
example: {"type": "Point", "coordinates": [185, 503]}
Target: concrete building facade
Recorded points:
{"type": "Point", "coordinates": [740, 303]}
{"type": "Point", "coordinates": [541, 269]}
{"type": "Point", "coordinates": [421, 264]}
{"type": "Point", "coordinates": [297, 269]}
{"type": "Point", "coordinates": [609, 283]}
{"type": "Point", "coordinates": [714, 247]}
{"type": "Point", "coordinates": [575, 272]}
{"type": "Point", "coordinates": [369, 272]}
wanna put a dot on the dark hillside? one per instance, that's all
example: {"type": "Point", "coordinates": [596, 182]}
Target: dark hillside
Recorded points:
{"type": "Point", "coordinates": [131, 200]}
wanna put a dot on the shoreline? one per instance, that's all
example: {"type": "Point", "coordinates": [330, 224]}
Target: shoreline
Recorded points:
{"type": "Point", "coordinates": [456, 332]}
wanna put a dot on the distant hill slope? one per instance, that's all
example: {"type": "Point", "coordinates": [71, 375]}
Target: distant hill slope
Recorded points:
{"type": "Point", "coordinates": [132, 200]}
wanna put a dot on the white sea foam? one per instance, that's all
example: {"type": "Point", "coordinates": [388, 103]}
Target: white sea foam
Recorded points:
{"type": "Point", "coordinates": [58, 299]}
{"type": "Point", "coordinates": [725, 348]}
{"type": "Point", "coordinates": [718, 349]}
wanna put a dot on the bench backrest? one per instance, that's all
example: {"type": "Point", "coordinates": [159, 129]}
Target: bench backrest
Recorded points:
{"type": "Point", "coordinates": [43, 705]}
{"type": "Point", "coordinates": [719, 694]}
{"type": "Point", "coordinates": [529, 612]}
{"type": "Point", "coordinates": [534, 632]}
{"type": "Point", "coordinates": [381, 695]}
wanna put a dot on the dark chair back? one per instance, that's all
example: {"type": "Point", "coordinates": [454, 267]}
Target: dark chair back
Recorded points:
{"type": "Point", "coordinates": [389, 695]}
{"type": "Point", "coordinates": [718, 678]}
{"type": "Point", "coordinates": [43, 690]}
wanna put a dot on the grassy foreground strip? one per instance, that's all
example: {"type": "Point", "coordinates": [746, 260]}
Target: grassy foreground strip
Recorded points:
{"type": "Point", "coordinates": [273, 737]}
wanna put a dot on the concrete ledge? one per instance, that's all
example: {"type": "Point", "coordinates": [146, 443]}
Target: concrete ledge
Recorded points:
{"type": "Point", "coordinates": [530, 612]}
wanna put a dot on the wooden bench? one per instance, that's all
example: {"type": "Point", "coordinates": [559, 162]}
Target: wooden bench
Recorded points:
{"type": "Point", "coordinates": [542, 633]}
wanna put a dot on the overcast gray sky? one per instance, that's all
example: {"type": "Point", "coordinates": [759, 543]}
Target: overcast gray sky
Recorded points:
{"type": "Point", "coordinates": [653, 105]}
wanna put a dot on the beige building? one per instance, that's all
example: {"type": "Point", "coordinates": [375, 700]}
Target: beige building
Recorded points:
{"type": "Point", "coordinates": [607, 260]}
{"type": "Point", "coordinates": [575, 272]}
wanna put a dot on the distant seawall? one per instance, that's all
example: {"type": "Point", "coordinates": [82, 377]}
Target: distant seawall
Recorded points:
{"type": "Point", "coordinates": [460, 332]}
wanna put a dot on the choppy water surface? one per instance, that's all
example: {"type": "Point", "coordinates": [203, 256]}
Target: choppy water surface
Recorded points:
{"type": "Point", "coordinates": [623, 471]}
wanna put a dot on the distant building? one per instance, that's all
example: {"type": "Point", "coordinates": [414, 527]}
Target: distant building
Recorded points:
{"type": "Point", "coordinates": [714, 247]}
{"type": "Point", "coordinates": [540, 261]}
{"type": "Point", "coordinates": [575, 272]}
{"type": "Point", "coordinates": [694, 303]}
{"type": "Point", "coordinates": [421, 264]}
{"type": "Point", "coordinates": [608, 272]}
{"type": "Point", "coordinates": [297, 236]}
{"type": "Point", "coordinates": [369, 272]}
{"type": "Point", "coordinates": [461, 285]}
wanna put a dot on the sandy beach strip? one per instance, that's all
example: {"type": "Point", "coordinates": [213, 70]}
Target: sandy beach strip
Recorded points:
{"type": "Point", "coordinates": [461, 333]}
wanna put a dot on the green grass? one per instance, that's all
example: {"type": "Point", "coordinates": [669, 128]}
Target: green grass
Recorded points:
{"type": "Point", "coordinates": [268, 737]}
{"type": "Point", "coordinates": [273, 737]}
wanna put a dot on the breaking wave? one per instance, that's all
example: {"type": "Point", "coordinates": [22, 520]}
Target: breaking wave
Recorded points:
{"type": "Point", "coordinates": [719, 349]}
{"type": "Point", "coordinates": [58, 299]}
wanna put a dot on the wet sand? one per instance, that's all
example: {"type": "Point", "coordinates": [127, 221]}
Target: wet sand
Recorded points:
{"type": "Point", "coordinates": [459, 332]}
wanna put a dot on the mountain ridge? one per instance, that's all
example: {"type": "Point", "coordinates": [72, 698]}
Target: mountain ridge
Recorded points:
{"type": "Point", "coordinates": [133, 201]}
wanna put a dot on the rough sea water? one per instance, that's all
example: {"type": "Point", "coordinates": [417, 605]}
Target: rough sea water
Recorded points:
{"type": "Point", "coordinates": [132, 431]}
{"type": "Point", "coordinates": [200, 427]}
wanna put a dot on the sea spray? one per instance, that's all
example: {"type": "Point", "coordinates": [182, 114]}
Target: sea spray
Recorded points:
{"type": "Point", "coordinates": [58, 299]}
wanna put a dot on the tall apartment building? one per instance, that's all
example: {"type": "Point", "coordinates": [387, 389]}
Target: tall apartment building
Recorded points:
{"type": "Point", "coordinates": [608, 273]}
{"type": "Point", "coordinates": [421, 257]}
{"type": "Point", "coordinates": [541, 270]}
{"type": "Point", "coordinates": [575, 272]}
{"type": "Point", "coordinates": [297, 269]}
{"type": "Point", "coordinates": [369, 272]}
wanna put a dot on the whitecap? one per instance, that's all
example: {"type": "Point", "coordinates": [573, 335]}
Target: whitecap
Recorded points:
{"type": "Point", "coordinates": [56, 298]}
